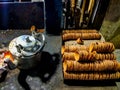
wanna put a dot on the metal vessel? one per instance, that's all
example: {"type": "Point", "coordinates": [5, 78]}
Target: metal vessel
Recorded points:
{"type": "Point", "coordinates": [26, 49]}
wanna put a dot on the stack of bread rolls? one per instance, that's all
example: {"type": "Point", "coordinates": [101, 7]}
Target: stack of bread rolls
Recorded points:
{"type": "Point", "coordinates": [95, 61]}
{"type": "Point", "coordinates": [83, 34]}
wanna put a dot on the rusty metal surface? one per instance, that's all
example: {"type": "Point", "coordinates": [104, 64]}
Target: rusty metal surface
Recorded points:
{"type": "Point", "coordinates": [47, 75]}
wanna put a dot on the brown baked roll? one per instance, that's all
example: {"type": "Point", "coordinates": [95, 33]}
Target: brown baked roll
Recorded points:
{"type": "Point", "coordinates": [102, 47]}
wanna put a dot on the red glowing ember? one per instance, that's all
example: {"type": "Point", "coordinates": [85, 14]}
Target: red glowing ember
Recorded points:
{"type": "Point", "coordinates": [8, 55]}
{"type": "Point", "coordinates": [3, 57]}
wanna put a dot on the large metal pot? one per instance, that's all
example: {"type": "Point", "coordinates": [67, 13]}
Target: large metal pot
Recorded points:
{"type": "Point", "coordinates": [26, 49]}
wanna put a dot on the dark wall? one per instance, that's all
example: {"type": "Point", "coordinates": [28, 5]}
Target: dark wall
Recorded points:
{"type": "Point", "coordinates": [25, 14]}
{"type": "Point", "coordinates": [21, 15]}
{"type": "Point", "coordinates": [111, 25]}
{"type": "Point", "coordinates": [113, 12]}
{"type": "Point", "coordinates": [53, 16]}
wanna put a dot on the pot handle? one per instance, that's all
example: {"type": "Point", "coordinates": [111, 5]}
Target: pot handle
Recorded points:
{"type": "Point", "coordinates": [19, 49]}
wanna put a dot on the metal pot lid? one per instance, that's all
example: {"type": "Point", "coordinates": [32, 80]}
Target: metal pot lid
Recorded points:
{"type": "Point", "coordinates": [25, 45]}
{"type": "Point", "coordinates": [26, 41]}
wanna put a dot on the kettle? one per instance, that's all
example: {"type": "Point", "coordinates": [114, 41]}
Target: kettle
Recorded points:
{"type": "Point", "coordinates": [26, 45]}
{"type": "Point", "coordinates": [25, 48]}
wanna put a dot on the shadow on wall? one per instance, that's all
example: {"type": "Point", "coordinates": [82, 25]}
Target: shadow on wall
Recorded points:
{"type": "Point", "coordinates": [45, 68]}
{"type": "Point", "coordinates": [111, 25]}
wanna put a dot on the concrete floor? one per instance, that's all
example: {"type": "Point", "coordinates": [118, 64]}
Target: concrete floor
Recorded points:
{"type": "Point", "coordinates": [49, 76]}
